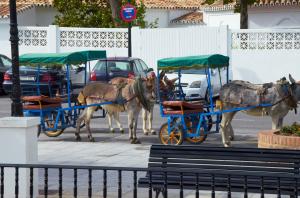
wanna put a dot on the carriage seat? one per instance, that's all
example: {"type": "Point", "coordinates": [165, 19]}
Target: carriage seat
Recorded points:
{"type": "Point", "coordinates": [181, 107]}
{"type": "Point", "coordinates": [40, 102]}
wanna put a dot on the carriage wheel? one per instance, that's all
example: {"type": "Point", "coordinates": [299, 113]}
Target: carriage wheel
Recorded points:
{"type": "Point", "coordinates": [191, 130]}
{"type": "Point", "coordinates": [50, 122]}
{"type": "Point", "coordinates": [175, 138]}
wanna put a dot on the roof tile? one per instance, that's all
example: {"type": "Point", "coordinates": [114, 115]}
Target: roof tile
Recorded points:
{"type": "Point", "coordinates": [21, 5]}
{"type": "Point", "coordinates": [173, 4]}
{"type": "Point", "coordinates": [192, 18]}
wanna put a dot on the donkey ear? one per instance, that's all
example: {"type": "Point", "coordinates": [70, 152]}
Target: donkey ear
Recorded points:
{"type": "Point", "coordinates": [173, 80]}
{"type": "Point", "coordinates": [292, 79]}
{"type": "Point", "coordinates": [162, 74]}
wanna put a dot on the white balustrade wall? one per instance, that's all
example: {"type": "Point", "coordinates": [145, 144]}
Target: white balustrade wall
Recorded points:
{"type": "Point", "coordinates": [258, 56]}
{"type": "Point", "coordinates": [265, 55]}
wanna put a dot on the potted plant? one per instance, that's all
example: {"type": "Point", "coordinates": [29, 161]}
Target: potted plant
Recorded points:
{"type": "Point", "coordinates": [286, 138]}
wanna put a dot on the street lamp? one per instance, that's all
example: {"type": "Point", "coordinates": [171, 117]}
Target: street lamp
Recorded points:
{"type": "Point", "coordinates": [16, 106]}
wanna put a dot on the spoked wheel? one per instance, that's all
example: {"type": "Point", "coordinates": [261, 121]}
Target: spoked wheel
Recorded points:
{"type": "Point", "coordinates": [50, 122]}
{"type": "Point", "coordinates": [192, 129]}
{"type": "Point", "coordinates": [175, 137]}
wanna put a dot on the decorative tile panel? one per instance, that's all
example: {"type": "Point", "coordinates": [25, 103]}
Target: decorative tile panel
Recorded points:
{"type": "Point", "coordinates": [32, 37]}
{"type": "Point", "coordinates": [265, 40]}
{"type": "Point", "coordinates": [93, 38]}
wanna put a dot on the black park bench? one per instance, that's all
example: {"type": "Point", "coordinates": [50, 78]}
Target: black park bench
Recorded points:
{"type": "Point", "coordinates": [246, 170]}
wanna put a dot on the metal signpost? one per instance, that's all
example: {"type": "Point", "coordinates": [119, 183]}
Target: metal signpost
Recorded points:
{"type": "Point", "coordinates": [128, 14]}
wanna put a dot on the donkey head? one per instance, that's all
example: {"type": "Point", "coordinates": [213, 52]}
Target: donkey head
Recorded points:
{"type": "Point", "coordinates": [165, 83]}
{"type": "Point", "coordinates": [295, 88]}
{"type": "Point", "coordinates": [151, 84]}
{"type": "Point", "coordinates": [166, 86]}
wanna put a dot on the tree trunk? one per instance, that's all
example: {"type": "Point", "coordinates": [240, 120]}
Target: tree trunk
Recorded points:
{"type": "Point", "coordinates": [115, 7]}
{"type": "Point", "coordinates": [244, 14]}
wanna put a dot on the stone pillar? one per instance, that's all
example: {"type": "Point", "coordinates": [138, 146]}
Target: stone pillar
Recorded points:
{"type": "Point", "coordinates": [53, 39]}
{"type": "Point", "coordinates": [18, 145]}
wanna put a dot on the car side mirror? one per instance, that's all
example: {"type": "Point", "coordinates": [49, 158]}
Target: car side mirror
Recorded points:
{"type": "Point", "coordinates": [150, 70]}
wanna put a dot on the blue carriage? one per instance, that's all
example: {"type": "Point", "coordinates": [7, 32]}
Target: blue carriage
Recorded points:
{"type": "Point", "coordinates": [59, 112]}
{"type": "Point", "coordinates": [190, 120]}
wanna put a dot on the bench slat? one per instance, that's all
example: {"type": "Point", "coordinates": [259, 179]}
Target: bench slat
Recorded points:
{"type": "Point", "coordinates": [208, 167]}
{"type": "Point", "coordinates": [222, 162]}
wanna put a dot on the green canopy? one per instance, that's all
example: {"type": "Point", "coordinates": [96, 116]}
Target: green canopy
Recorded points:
{"type": "Point", "coordinates": [193, 62]}
{"type": "Point", "coordinates": [73, 58]}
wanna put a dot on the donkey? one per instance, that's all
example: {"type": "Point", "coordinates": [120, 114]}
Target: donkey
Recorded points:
{"type": "Point", "coordinates": [166, 85]}
{"type": "Point", "coordinates": [282, 96]}
{"type": "Point", "coordinates": [147, 115]}
{"type": "Point", "coordinates": [130, 97]}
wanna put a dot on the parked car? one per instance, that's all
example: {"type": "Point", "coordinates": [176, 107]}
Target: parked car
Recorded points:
{"type": "Point", "coordinates": [5, 64]}
{"type": "Point", "coordinates": [106, 69]}
{"type": "Point", "coordinates": [194, 83]}
{"type": "Point", "coordinates": [50, 80]}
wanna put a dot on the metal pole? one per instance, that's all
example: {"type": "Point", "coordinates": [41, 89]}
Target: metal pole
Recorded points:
{"type": "Point", "coordinates": [16, 105]}
{"type": "Point", "coordinates": [129, 39]}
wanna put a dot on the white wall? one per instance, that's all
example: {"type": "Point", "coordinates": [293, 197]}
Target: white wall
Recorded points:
{"type": "Point", "coordinates": [218, 18]}
{"type": "Point", "coordinates": [154, 44]}
{"type": "Point", "coordinates": [162, 15]}
{"type": "Point", "coordinates": [4, 20]}
{"type": "Point", "coordinates": [256, 55]}
{"type": "Point", "coordinates": [4, 40]}
{"type": "Point", "coordinates": [185, 25]}
{"type": "Point", "coordinates": [35, 16]}
{"type": "Point", "coordinates": [274, 17]}
{"type": "Point", "coordinates": [265, 55]}
{"type": "Point", "coordinates": [27, 17]}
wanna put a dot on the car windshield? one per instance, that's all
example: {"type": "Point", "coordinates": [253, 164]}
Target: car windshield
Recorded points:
{"type": "Point", "coordinates": [190, 71]}
{"type": "Point", "coordinates": [113, 66]}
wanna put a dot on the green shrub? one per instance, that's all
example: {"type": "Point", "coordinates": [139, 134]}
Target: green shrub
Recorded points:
{"type": "Point", "coordinates": [294, 129]}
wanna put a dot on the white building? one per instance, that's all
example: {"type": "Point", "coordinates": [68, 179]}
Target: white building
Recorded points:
{"type": "Point", "coordinates": [30, 12]}
{"type": "Point", "coordinates": [263, 14]}
{"type": "Point", "coordinates": [176, 13]}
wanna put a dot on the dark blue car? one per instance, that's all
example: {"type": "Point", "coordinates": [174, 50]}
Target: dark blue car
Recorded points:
{"type": "Point", "coordinates": [51, 80]}
{"type": "Point", "coordinates": [106, 69]}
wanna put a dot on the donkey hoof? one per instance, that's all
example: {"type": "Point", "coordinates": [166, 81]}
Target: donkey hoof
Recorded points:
{"type": "Point", "coordinates": [112, 130]}
{"type": "Point", "coordinates": [131, 138]}
{"type": "Point", "coordinates": [146, 133]}
{"type": "Point", "coordinates": [135, 141]}
{"type": "Point", "coordinates": [122, 131]}
{"type": "Point", "coordinates": [153, 132]}
{"type": "Point", "coordinates": [78, 138]}
{"type": "Point", "coordinates": [227, 145]}
{"type": "Point", "coordinates": [231, 138]}
{"type": "Point", "coordinates": [92, 139]}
